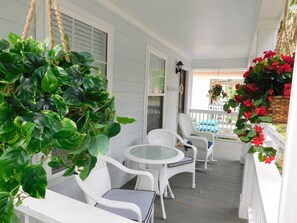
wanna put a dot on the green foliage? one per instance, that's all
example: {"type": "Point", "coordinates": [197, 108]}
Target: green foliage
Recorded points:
{"type": "Point", "coordinates": [46, 103]}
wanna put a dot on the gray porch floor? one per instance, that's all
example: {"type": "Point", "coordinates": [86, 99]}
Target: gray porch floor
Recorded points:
{"type": "Point", "coordinates": [214, 200]}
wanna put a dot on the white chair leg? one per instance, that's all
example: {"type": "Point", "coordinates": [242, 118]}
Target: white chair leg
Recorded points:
{"type": "Point", "coordinates": [162, 206]}
{"type": "Point", "coordinates": [193, 180]}
{"type": "Point", "coordinates": [153, 215]}
{"type": "Point", "coordinates": [170, 191]}
{"type": "Point", "coordinates": [205, 163]}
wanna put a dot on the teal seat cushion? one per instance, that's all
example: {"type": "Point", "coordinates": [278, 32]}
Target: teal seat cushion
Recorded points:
{"type": "Point", "coordinates": [208, 128]}
{"type": "Point", "coordinates": [209, 122]}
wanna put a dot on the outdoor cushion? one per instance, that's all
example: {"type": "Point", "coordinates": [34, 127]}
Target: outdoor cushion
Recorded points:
{"type": "Point", "coordinates": [185, 160]}
{"type": "Point", "coordinates": [143, 199]}
{"type": "Point", "coordinates": [209, 144]}
{"type": "Point", "coordinates": [189, 142]}
{"type": "Point", "coordinates": [209, 128]}
{"type": "Point", "coordinates": [209, 122]}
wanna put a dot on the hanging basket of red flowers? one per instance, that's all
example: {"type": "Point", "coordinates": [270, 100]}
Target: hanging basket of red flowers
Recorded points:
{"type": "Point", "coordinates": [216, 91]}
{"type": "Point", "coordinates": [264, 97]}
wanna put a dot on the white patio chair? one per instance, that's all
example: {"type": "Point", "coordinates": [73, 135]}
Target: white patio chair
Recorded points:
{"type": "Point", "coordinates": [204, 141]}
{"type": "Point", "coordinates": [167, 138]}
{"type": "Point", "coordinates": [137, 205]}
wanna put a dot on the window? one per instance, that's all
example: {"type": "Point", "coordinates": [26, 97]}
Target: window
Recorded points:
{"type": "Point", "coordinates": [156, 88]}
{"type": "Point", "coordinates": [84, 38]}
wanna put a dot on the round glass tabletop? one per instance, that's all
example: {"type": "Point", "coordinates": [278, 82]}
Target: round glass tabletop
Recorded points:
{"type": "Point", "coordinates": [153, 154]}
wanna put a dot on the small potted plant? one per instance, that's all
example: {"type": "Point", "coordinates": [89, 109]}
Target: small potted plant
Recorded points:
{"type": "Point", "coordinates": [267, 81]}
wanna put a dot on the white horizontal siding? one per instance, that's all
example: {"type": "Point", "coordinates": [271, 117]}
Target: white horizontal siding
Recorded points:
{"type": "Point", "coordinates": [13, 16]}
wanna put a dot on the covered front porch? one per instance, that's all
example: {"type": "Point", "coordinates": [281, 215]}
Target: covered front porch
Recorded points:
{"type": "Point", "coordinates": [236, 187]}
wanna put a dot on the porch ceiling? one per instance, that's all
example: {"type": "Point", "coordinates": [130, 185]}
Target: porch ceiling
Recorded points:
{"type": "Point", "coordinates": [205, 29]}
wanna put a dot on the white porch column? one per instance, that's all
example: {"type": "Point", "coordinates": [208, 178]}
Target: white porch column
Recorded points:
{"type": "Point", "coordinates": [288, 201]}
{"type": "Point", "coordinates": [266, 35]}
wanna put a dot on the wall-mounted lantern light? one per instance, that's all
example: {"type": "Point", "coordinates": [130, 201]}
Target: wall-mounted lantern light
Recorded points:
{"type": "Point", "coordinates": [179, 66]}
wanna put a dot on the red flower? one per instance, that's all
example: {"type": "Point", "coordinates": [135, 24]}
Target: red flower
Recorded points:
{"type": "Point", "coordinates": [237, 86]}
{"type": "Point", "coordinates": [287, 59]}
{"type": "Point", "coordinates": [257, 60]}
{"type": "Point", "coordinates": [258, 140]}
{"type": "Point", "coordinates": [285, 68]}
{"type": "Point", "coordinates": [274, 65]}
{"type": "Point", "coordinates": [270, 98]}
{"type": "Point", "coordinates": [248, 103]}
{"type": "Point", "coordinates": [287, 90]}
{"type": "Point", "coordinates": [229, 111]}
{"type": "Point", "coordinates": [261, 111]}
{"type": "Point", "coordinates": [270, 91]}
{"type": "Point", "coordinates": [246, 74]}
{"type": "Point", "coordinates": [238, 98]}
{"type": "Point", "coordinates": [258, 129]}
{"type": "Point", "coordinates": [253, 87]}
{"type": "Point", "coordinates": [269, 54]}
{"type": "Point", "coordinates": [247, 115]}
{"type": "Point", "coordinates": [269, 159]}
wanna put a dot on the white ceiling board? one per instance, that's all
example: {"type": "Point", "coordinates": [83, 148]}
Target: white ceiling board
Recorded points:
{"type": "Point", "coordinates": [205, 29]}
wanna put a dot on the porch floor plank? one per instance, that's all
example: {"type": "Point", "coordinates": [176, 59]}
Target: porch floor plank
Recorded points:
{"type": "Point", "coordinates": [214, 200]}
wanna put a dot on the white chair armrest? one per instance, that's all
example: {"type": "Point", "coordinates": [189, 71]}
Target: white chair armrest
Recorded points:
{"type": "Point", "coordinates": [184, 142]}
{"type": "Point", "coordinates": [199, 142]}
{"type": "Point", "coordinates": [208, 135]}
{"type": "Point", "coordinates": [130, 171]}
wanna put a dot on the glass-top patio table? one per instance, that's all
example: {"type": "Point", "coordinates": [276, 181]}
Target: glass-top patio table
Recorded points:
{"type": "Point", "coordinates": [154, 158]}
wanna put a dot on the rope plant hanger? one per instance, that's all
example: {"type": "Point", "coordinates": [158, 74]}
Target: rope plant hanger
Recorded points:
{"type": "Point", "coordinates": [53, 102]}
{"type": "Point", "coordinates": [60, 24]}
{"type": "Point", "coordinates": [287, 35]}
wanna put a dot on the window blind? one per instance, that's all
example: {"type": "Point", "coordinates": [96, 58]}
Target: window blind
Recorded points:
{"type": "Point", "coordinates": [83, 38]}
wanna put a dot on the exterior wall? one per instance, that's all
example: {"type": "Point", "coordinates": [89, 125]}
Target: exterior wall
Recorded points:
{"type": "Point", "coordinates": [13, 16]}
{"type": "Point", "coordinates": [129, 66]}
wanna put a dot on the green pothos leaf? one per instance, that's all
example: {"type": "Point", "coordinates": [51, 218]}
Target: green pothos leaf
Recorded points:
{"type": "Point", "coordinates": [61, 106]}
{"type": "Point", "coordinates": [49, 82]}
{"type": "Point", "coordinates": [34, 181]}
{"type": "Point", "coordinates": [88, 167]}
{"type": "Point", "coordinates": [13, 161]}
{"type": "Point", "coordinates": [125, 120]}
{"type": "Point", "coordinates": [6, 207]}
{"type": "Point", "coordinates": [99, 145]}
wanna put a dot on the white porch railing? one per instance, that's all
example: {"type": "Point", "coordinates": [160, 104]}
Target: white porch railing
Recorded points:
{"type": "Point", "coordinates": [275, 140]}
{"type": "Point", "coordinates": [56, 208]}
{"type": "Point", "coordinates": [220, 123]}
{"type": "Point", "coordinates": [260, 198]}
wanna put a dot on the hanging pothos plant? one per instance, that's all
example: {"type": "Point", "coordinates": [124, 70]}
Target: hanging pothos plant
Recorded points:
{"type": "Point", "coordinates": [45, 103]}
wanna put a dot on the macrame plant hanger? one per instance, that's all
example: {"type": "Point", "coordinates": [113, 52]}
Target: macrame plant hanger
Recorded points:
{"type": "Point", "coordinates": [50, 21]}
{"type": "Point", "coordinates": [287, 36]}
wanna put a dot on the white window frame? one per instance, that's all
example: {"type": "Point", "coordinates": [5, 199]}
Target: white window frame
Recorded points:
{"type": "Point", "coordinates": [156, 52]}
{"type": "Point", "coordinates": [42, 31]}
